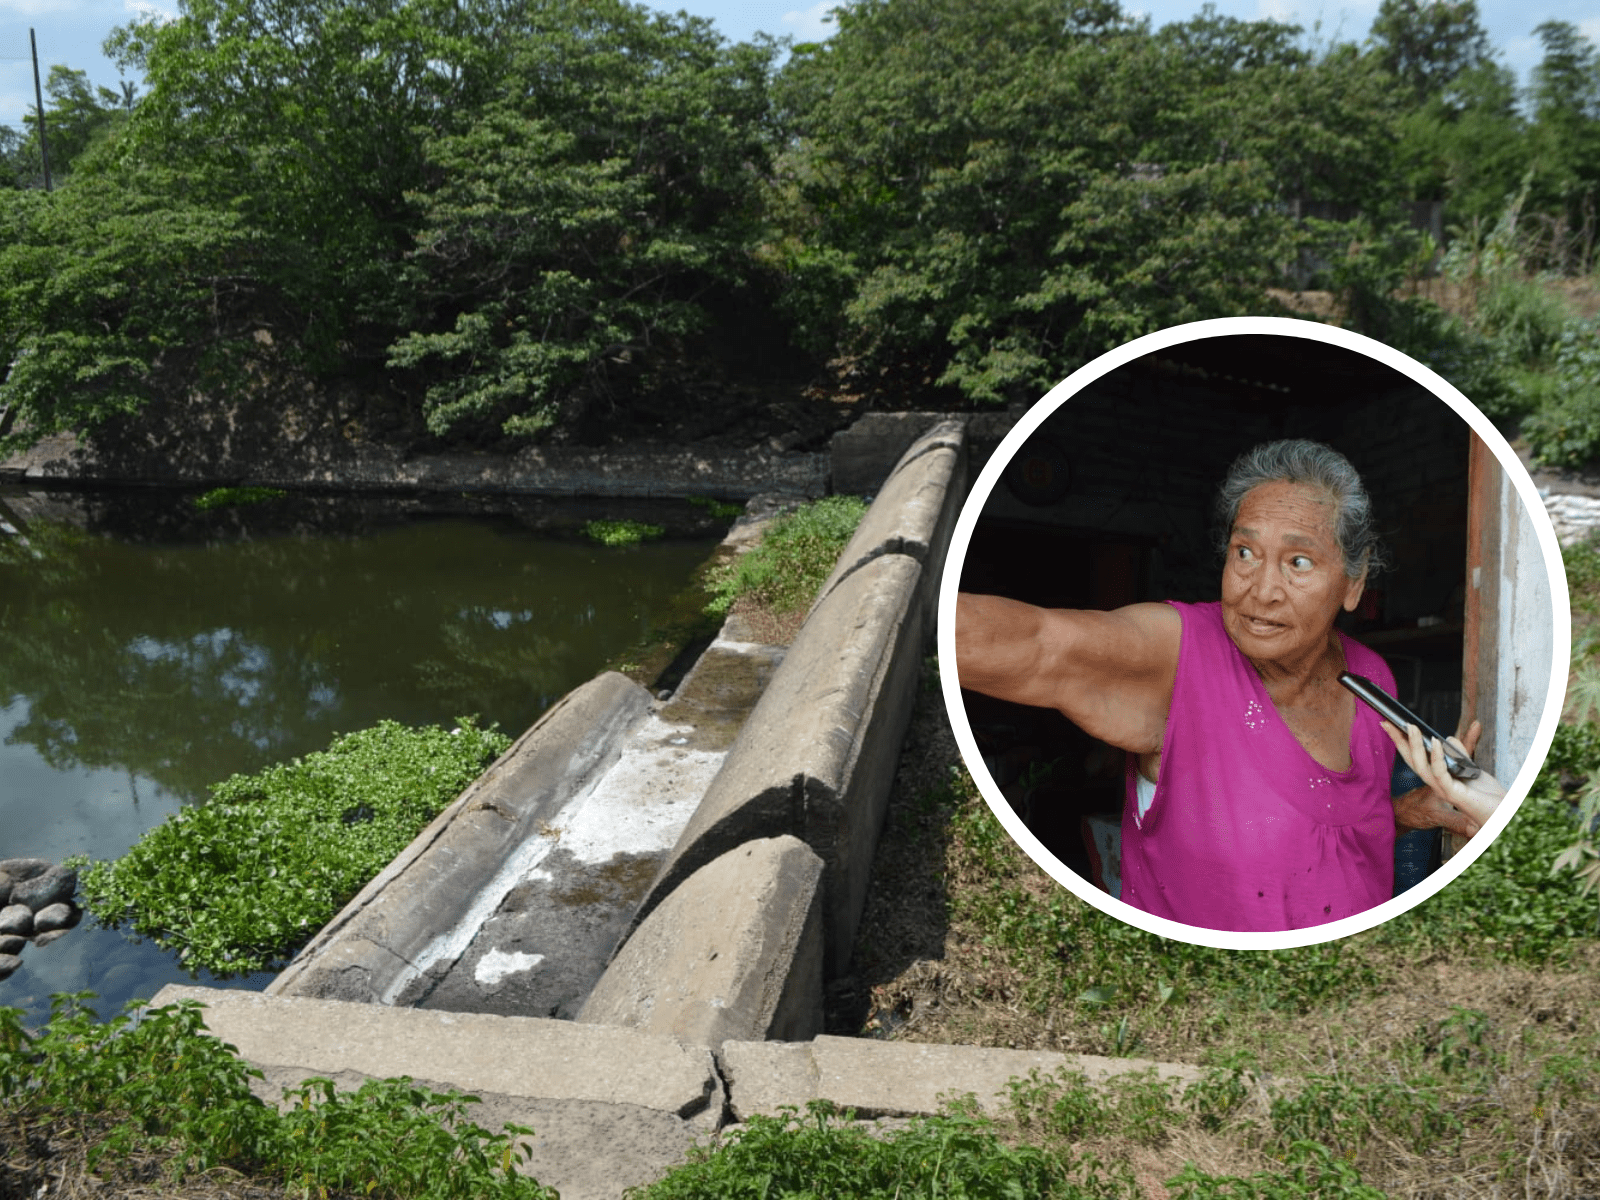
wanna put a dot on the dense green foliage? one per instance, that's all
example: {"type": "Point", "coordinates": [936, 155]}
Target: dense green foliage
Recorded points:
{"type": "Point", "coordinates": [794, 558]}
{"type": "Point", "coordinates": [239, 883]}
{"type": "Point", "coordinates": [160, 1084]}
{"type": "Point", "coordinates": [521, 218]}
{"type": "Point", "coordinates": [991, 195]}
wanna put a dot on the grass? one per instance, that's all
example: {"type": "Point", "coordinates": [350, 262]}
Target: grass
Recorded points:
{"type": "Point", "coordinates": [237, 884]}
{"type": "Point", "coordinates": [156, 1106]}
{"type": "Point", "coordinates": [1452, 1051]}
{"type": "Point", "coordinates": [796, 555]}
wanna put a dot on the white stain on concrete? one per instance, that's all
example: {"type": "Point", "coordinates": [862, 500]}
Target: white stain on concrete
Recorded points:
{"type": "Point", "coordinates": [639, 806]}
{"type": "Point", "coordinates": [494, 966]}
{"type": "Point", "coordinates": [642, 804]}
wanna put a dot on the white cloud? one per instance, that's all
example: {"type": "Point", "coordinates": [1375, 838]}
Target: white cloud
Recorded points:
{"type": "Point", "coordinates": [815, 24]}
{"type": "Point", "coordinates": [38, 8]}
{"type": "Point", "coordinates": [146, 11]}
{"type": "Point", "coordinates": [1279, 10]}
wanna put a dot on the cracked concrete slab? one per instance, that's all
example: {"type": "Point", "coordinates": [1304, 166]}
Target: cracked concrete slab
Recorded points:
{"type": "Point", "coordinates": [899, 1079]}
{"type": "Point", "coordinates": [515, 1056]}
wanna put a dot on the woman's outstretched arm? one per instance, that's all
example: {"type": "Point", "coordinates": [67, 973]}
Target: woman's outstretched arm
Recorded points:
{"type": "Point", "coordinates": [1110, 673]}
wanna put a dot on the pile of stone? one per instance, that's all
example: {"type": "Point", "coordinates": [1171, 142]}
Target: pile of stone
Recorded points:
{"type": "Point", "coordinates": [35, 904]}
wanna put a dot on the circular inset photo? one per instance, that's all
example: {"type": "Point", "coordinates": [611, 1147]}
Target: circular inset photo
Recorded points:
{"type": "Point", "coordinates": [1254, 633]}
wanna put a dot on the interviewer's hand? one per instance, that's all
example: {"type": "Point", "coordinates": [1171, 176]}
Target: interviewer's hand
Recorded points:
{"type": "Point", "coordinates": [1472, 799]}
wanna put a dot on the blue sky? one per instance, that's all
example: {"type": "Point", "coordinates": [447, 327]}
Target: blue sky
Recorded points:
{"type": "Point", "coordinates": [70, 31]}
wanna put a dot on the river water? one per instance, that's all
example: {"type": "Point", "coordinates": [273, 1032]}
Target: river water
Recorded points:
{"type": "Point", "coordinates": [148, 650]}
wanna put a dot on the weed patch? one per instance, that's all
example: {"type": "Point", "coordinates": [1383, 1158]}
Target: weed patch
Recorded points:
{"type": "Point", "coordinates": [237, 884]}
{"type": "Point", "coordinates": [796, 554]}
{"type": "Point", "coordinates": [824, 1153]}
{"type": "Point", "coordinates": [159, 1089]}
{"type": "Point", "coordinates": [622, 533]}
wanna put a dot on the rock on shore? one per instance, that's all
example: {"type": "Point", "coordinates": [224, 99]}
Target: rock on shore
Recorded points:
{"type": "Point", "coordinates": [35, 902]}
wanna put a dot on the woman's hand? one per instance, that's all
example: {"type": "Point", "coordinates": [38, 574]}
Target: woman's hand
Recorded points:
{"type": "Point", "coordinates": [1475, 798]}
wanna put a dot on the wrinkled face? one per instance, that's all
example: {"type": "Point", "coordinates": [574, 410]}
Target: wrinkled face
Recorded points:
{"type": "Point", "coordinates": [1284, 581]}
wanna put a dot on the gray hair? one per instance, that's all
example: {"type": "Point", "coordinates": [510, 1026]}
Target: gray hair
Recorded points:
{"type": "Point", "coordinates": [1298, 460]}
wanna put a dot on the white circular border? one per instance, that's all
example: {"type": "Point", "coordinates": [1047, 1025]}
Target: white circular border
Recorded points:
{"type": "Point", "coordinates": [1121, 356]}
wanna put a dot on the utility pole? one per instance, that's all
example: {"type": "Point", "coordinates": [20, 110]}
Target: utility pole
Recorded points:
{"type": "Point", "coordinates": [38, 100]}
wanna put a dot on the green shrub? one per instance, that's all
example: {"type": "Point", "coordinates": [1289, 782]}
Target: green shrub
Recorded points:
{"type": "Point", "coordinates": [1582, 563]}
{"type": "Point", "coordinates": [160, 1084]}
{"type": "Point", "coordinates": [1523, 316]}
{"type": "Point", "coordinates": [1565, 430]}
{"type": "Point", "coordinates": [239, 883]}
{"type": "Point", "coordinates": [1314, 1174]}
{"type": "Point", "coordinates": [622, 533]}
{"type": "Point", "coordinates": [822, 1154]}
{"type": "Point", "coordinates": [794, 559]}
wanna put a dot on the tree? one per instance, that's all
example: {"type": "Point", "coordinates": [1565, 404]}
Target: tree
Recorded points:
{"type": "Point", "coordinates": [1429, 44]}
{"type": "Point", "coordinates": [110, 287]}
{"type": "Point", "coordinates": [571, 229]}
{"type": "Point", "coordinates": [1566, 141]}
{"type": "Point", "coordinates": [984, 197]}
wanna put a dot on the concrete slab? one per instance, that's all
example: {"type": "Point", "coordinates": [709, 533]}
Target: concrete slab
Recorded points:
{"type": "Point", "coordinates": [898, 1079]}
{"type": "Point", "coordinates": [640, 1144]}
{"type": "Point", "coordinates": [914, 513]}
{"type": "Point", "coordinates": [816, 757]}
{"type": "Point", "coordinates": [734, 952]}
{"type": "Point", "coordinates": [422, 910]}
{"type": "Point", "coordinates": [514, 1056]}
{"type": "Point", "coordinates": [610, 1109]}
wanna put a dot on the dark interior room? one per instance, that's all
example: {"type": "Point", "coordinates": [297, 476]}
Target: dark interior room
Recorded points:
{"type": "Point", "coordinates": [1110, 502]}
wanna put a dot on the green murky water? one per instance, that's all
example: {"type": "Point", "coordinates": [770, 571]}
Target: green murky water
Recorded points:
{"type": "Point", "coordinates": [147, 651]}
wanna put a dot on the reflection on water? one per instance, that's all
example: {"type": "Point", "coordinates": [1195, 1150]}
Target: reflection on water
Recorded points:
{"type": "Point", "coordinates": [137, 670]}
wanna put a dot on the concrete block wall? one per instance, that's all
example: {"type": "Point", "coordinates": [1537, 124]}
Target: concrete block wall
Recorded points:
{"type": "Point", "coordinates": [815, 759]}
{"type": "Point", "coordinates": [758, 901]}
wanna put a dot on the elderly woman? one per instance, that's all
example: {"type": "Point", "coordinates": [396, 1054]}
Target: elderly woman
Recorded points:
{"type": "Point", "coordinates": [1258, 789]}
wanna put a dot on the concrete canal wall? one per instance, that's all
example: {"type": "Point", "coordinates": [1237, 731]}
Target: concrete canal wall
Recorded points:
{"type": "Point", "coordinates": [692, 864]}
{"type": "Point", "coordinates": [704, 1006]}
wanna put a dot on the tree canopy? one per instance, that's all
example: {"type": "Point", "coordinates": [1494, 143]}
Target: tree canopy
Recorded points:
{"type": "Point", "coordinates": [513, 214]}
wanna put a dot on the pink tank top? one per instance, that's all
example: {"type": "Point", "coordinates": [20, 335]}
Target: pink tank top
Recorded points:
{"type": "Point", "coordinates": [1246, 830]}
